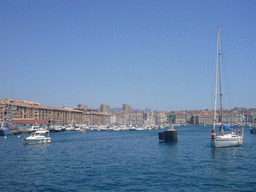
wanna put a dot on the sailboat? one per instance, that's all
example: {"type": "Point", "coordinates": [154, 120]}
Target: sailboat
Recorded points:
{"type": "Point", "coordinates": [227, 136]}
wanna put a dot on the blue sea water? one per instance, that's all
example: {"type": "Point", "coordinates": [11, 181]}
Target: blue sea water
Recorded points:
{"type": "Point", "coordinates": [127, 161]}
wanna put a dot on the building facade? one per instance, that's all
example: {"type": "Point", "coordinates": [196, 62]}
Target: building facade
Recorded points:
{"type": "Point", "coordinates": [127, 107]}
{"type": "Point", "coordinates": [161, 118]}
{"type": "Point", "coordinates": [204, 119]}
{"type": "Point", "coordinates": [14, 109]}
{"type": "Point", "coordinates": [24, 124]}
{"type": "Point", "coordinates": [104, 108]}
{"type": "Point", "coordinates": [180, 118]}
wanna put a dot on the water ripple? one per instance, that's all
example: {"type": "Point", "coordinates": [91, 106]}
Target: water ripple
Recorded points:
{"type": "Point", "coordinates": [127, 161]}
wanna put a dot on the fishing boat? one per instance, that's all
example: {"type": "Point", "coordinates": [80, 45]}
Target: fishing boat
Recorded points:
{"type": "Point", "coordinates": [226, 136]}
{"type": "Point", "coordinates": [38, 137]}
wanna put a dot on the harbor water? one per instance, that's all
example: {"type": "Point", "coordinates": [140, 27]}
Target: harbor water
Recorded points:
{"type": "Point", "coordinates": [127, 161]}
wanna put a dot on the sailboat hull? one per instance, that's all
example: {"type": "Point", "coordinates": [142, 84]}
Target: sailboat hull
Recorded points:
{"type": "Point", "coordinates": [227, 141]}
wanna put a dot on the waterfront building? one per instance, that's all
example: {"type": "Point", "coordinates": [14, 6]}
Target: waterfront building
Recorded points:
{"type": "Point", "coordinates": [193, 119]}
{"type": "Point", "coordinates": [138, 118]}
{"type": "Point", "coordinates": [179, 118]}
{"type": "Point", "coordinates": [232, 119]}
{"type": "Point", "coordinates": [150, 120]}
{"type": "Point", "coordinates": [104, 108]}
{"type": "Point", "coordinates": [204, 119]}
{"type": "Point", "coordinates": [161, 118]}
{"type": "Point", "coordinates": [113, 119]}
{"type": "Point", "coordinates": [188, 118]}
{"type": "Point", "coordinates": [127, 107]}
{"type": "Point", "coordinates": [251, 118]}
{"type": "Point", "coordinates": [126, 118]}
{"type": "Point", "coordinates": [17, 109]}
{"type": "Point", "coordinates": [98, 118]}
{"type": "Point", "coordinates": [24, 124]}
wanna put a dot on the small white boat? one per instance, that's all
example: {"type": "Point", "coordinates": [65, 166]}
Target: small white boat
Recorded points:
{"type": "Point", "coordinates": [34, 128]}
{"type": "Point", "coordinates": [140, 129]}
{"type": "Point", "coordinates": [117, 129]}
{"type": "Point", "coordinates": [38, 137]}
{"type": "Point", "coordinates": [56, 129]}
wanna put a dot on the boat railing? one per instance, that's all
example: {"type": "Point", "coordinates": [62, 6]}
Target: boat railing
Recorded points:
{"type": "Point", "coordinates": [237, 132]}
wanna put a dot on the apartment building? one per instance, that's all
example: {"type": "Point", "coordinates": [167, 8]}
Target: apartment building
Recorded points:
{"type": "Point", "coordinates": [127, 107]}
{"type": "Point", "coordinates": [98, 118]}
{"type": "Point", "coordinates": [180, 118]}
{"type": "Point", "coordinates": [15, 109]}
{"type": "Point", "coordinates": [204, 119]}
{"type": "Point", "coordinates": [161, 118]}
{"type": "Point", "coordinates": [104, 108]}
{"type": "Point", "coordinates": [126, 118]}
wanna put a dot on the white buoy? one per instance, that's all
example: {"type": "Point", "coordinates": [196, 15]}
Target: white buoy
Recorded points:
{"type": "Point", "coordinates": [5, 137]}
{"type": "Point", "coordinates": [18, 136]}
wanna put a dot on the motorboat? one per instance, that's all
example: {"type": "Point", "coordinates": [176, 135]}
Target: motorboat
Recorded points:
{"type": "Point", "coordinates": [34, 128]}
{"type": "Point", "coordinates": [38, 137]}
{"type": "Point", "coordinates": [56, 129]}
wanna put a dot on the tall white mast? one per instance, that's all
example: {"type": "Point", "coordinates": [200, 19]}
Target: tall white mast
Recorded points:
{"type": "Point", "coordinates": [216, 82]}
{"type": "Point", "coordinates": [221, 115]}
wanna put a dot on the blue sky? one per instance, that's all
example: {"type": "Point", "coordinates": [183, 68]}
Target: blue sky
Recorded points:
{"type": "Point", "coordinates": [154, 54]}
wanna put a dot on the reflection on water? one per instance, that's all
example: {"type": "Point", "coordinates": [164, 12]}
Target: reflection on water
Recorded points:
{"type": "Point", "coordinates": [224, 154]}
{"type": "Point", "coordinates": [226, 162]}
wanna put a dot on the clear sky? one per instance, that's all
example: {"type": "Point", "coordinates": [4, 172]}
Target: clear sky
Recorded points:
{"type": "Point", "coordinates": [158, 54]}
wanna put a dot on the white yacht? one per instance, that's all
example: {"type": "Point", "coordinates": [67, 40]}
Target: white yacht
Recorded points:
{"type": "Point", "coordinates": [227, 137]}
{"type": "Point", "coordinates": [35, 128]}
{"type": "Point", "coordinates": [55, 129]}
{"type": "Point", "coordinates": [140, 128]}
{"type": "Point", "coordinates": [38, 137]}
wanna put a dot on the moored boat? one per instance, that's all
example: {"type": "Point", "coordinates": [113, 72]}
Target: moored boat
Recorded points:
{"type": "Point", "coordinates": [3, 130]}
{"type": "Point", "coordinates": [34, 128]}
{"type": "Point", "coordinates": [56, 129]}
{"type": "Point", "coordinates": [38, 137]}
{"type": "Point", "coordinates": [253, 129]}
{"type": "Point", "coordinates": [227, 137]}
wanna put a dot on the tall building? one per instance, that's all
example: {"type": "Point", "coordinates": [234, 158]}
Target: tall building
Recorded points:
{"type": "Point", "coordinates": [82, 106]}
{"type": "Point", "coordinates": [127, 107]}
{"type": "Point", "coordinates": [104, 108]}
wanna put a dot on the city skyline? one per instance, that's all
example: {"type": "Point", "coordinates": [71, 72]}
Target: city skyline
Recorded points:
{"type": "Point", "coordinates": [151, 54]}
{"type": "Point", "coordinates": [105, 108]}
{"type": "Point", "coordinates": [23, 110]}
